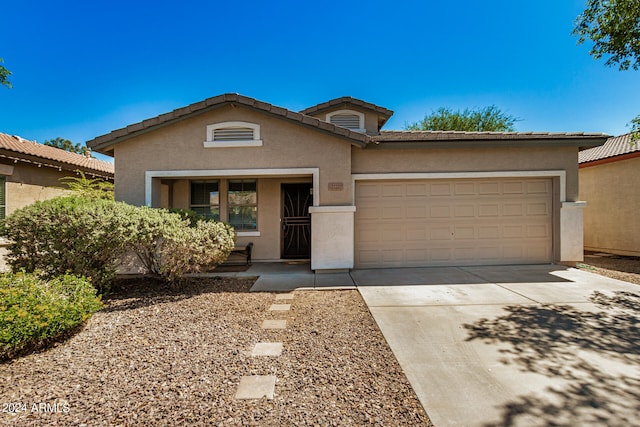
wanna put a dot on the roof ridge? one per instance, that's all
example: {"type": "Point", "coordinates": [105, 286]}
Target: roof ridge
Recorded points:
{"type": "Point", "coordinates": [348, 100]}
{"type": "Point", "coordinates": [114, 136]}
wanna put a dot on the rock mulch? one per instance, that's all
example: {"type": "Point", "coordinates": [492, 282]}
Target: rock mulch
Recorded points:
{"type": "Point", "coordinates": [163, 356]}
{"type": "Point", "coordinates": [619, 267]}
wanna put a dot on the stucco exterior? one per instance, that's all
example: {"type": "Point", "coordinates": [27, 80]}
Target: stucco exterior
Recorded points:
{"type": "Point", "coordinates": [156, 161]}
{"type": "Point", "coordinates": [611, 218]}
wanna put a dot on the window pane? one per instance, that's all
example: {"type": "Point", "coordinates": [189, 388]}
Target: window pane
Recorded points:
{"type": "Point", "coordinates": [242, 193]}
{"type": "Point", "coordinates": [243, 217]}
{"type": "Point", "coordinates": [208, 212]}
{"type": "Point", "coordinates": [204, 193]}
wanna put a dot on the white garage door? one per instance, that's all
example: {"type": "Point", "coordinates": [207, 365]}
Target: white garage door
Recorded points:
{"type": "Point", "coordinates": [453, 222]}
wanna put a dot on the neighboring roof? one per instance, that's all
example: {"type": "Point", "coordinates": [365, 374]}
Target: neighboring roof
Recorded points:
{"type": "Point", "coordinates": [20, 149]}
{"type": "Point", "coordinates": [614, 147]}
{"type": "Point", "coordinates": [345, 101]}
{"type": "Point", "coordinates": [102, 143]}
{"type": "Point", "coordinates": [403, 139]}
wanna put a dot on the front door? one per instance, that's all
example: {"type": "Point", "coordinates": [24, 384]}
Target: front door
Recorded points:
{"type": "Point", "coordinates": [296, 221]}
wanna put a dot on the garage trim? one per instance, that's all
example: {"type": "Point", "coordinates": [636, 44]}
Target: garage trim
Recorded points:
{"type": "Point", "coordinates": [561, 174]}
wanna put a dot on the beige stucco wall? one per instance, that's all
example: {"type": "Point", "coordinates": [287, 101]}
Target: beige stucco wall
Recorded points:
{"type": "Point", "coordinates": [28, 183]}
{"type": "Point", "coordinates": [613, 205]}
{"type": "Point", "coordinates": [285, 145]}
{"type": "Point", "coordinates": [382, 160]}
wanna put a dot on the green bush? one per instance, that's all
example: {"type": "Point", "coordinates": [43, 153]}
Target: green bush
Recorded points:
{"type": "Point", "coordinates": [89, 236]}
{"type": "Point", "coordinates": [77, 235]}
{"type": "Point", "coordinates": [169, 246]}
{"type": "Point", "coordinates": [34, 311]}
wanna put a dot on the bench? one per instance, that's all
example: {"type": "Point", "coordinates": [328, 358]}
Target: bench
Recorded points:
{"type": "Point", "coordinates": [243, 251]}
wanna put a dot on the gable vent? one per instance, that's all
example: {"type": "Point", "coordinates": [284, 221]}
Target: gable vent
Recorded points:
{"type": "Point", "coordinates": [233, 134]}
{"type": "Point", "coordinates": [349, 121]}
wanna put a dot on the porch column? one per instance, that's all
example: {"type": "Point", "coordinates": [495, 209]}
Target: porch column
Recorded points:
{"type": "Point", "coordinates": [332, 236]}
{"type": "Point", "coordinates": [571, 232]}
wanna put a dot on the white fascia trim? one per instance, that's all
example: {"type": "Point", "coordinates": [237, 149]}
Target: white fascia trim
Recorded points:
{"type": "Point", "coordinates": [218, 173]}
{"type": "Point", "coordinates": [228, 144]}
{"type": "Point", "coordinates": [561, 174]}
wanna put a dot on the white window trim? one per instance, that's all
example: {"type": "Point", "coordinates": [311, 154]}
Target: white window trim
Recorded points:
{"type": "Point", "coordinates": [357, 113]}
{"type": "Point", "coordinates": [255, 142]}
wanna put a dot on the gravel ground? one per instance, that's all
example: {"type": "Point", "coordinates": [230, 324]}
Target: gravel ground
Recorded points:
{"type": "Point", "coordinates": [163, 356]}
{"type": "Point", "coordinates": [619, 267]}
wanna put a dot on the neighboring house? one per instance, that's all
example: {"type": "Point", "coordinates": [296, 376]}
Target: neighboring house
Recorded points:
{"type": "Point", "coordinates": [30, 171]}
{"type": "Point", "coordinates": [326, 184]}
{"type": "Point", "coordinates": [609, 180]}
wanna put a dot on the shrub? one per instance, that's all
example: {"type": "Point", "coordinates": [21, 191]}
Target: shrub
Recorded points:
{"type": "Point", "coordinates": [34, 312]}
{"type": "Point", "coordinates": [77, 235]}
{"type": "Point", "coordinates": [88, 236]}
{"type": "Point", "coordinates": [169, 246]}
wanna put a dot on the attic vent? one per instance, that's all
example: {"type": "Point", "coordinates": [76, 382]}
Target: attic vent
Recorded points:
{"type": "Point", "coordinates": [349, 121]}
{"type": "Point", "coordinates": [233, 134]}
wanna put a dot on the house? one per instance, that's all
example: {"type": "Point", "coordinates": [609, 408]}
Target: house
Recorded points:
{"type": "Point", "coordinates": [609, 179]}
{"type": "Point", "coordinates": [326, 183]}
{"type": "Point", "coordinates": [30, 171]}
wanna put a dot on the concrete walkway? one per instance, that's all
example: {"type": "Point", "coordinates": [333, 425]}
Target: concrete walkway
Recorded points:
{"type": "Point", "coordinates": [512, 346]}
{"type": "Point", "coordinates": [287, 276]}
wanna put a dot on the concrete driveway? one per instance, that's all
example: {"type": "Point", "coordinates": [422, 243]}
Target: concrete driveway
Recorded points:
{"type": "Point", "coordinates": [512, 346]}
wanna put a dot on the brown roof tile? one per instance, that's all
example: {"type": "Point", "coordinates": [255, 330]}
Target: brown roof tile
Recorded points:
{"type": "Point", "coordinates": [615, 146]}
{"type": "Point", "coordinates": [406, 136]}
{"type": "Point", "coordinates": [21, 148]}
{"type": "Point", "coordinates": [345, 100]}
{"type": "Point", "coordinates": [100, 143]}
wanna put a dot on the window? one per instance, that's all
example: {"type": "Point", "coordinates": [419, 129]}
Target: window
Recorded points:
{"type": "Point", "coordinates": [205, 199]}
{"type": "Point", "coordinates": [349, 119]}
{"type": "Point", "coordinates": [3, 197]}
{"type": "Point", "coordinates": [233, 134]}
{"type": "Point", "coordinates": [243, 204]}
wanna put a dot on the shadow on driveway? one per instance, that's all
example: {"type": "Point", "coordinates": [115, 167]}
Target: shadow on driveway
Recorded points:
{"type": "Point", "coordinates": [596, 353]}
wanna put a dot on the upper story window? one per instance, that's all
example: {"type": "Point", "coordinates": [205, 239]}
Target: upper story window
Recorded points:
{"type": "Point", "coordinates": [349, 119]}
{"type": "Point", "coordinates": [233, 134]}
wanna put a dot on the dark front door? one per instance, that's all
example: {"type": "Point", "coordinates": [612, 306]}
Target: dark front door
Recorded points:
{"type": "Point", "coordinates": [296, 221]}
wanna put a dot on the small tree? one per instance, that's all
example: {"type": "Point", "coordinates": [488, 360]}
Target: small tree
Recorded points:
{"type": "Point", "coordinates": [96, 188]}
{"type": "Point", "coordinates": [487, 119]}
{"type": "Point", "coordinates": [614, 28]}
{"type": "Point", "coordinates": [65, 144]}
{"type": "Point", "coordinates": [4, 75]}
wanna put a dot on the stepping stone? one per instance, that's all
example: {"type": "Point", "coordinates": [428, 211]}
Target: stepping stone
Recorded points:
{"type": "Point", "coordinates": [256, 387]}
{"type": "Point", "coordinates": [274, 324]}
{"type": "Point", "coordinates": [280, 307]}
{"type": "Point", "coordinates": [284, 296]}
{"type": "Point", "coordinates": [267, 349]}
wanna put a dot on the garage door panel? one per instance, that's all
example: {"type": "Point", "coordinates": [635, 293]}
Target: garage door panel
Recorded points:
{"type": "Point", "coordinates": [440, 189]}
{"type": "Point", "coordinates": [458, 222]}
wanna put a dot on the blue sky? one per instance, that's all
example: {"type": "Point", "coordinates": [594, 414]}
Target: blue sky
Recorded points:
{"type": "Point", "coordinates": [84, 68]}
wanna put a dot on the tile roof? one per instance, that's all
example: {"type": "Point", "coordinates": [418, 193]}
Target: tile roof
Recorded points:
{"type": "Point", "coordinates": [21, 149]}
{"type": "Point", "coordinates": [394, 135]}
{"type": "Point", "coordinates": [346, 100]}
{"type": "Point", "coordinates": [399, 139]}
{"type": "Point", "coordinates": [100, 143]}
{"type": "Point", "coordinates": [615, 146]}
